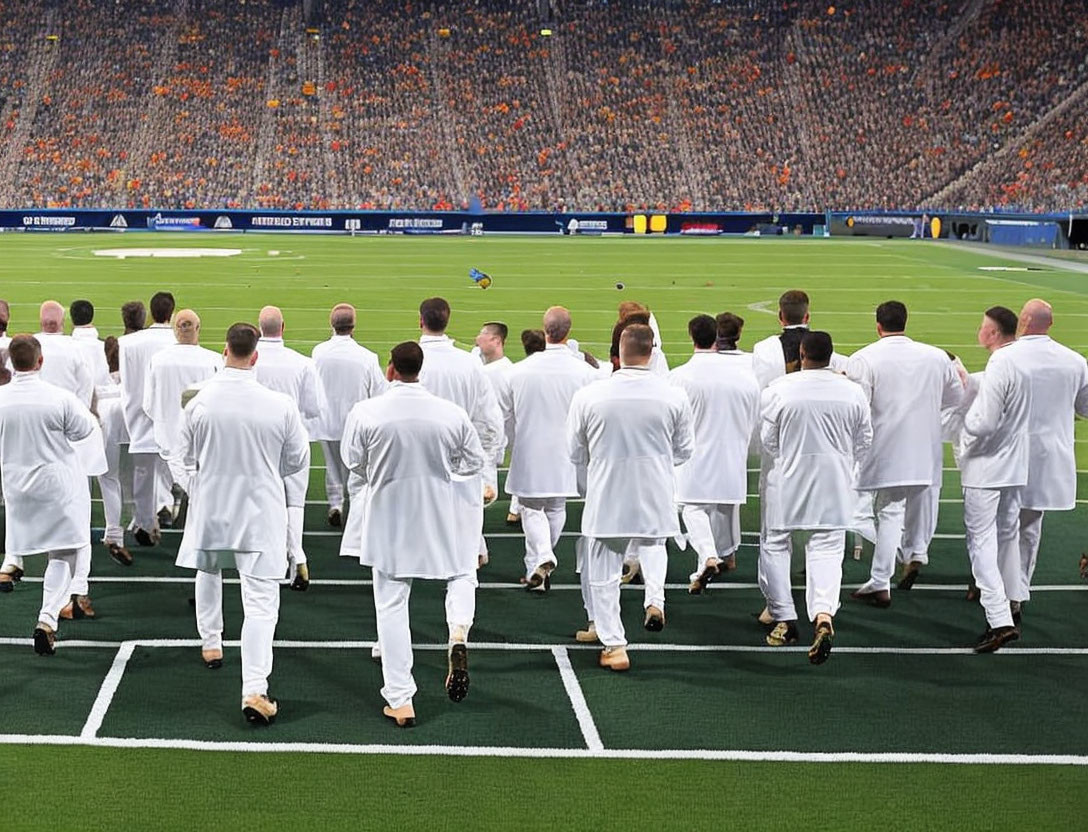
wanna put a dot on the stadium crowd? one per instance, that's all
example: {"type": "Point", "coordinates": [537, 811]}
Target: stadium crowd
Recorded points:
{"type": "Point", "coordinates": [662, 104]}
{"type": "Point", "coordinates": [218, 442]}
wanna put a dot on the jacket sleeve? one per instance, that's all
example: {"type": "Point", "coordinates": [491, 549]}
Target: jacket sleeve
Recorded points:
{"type": "Point", "coordinates": [768, 422]}
{"type": "Point", "coordinates": [952, 394]}
{"type": "Point", "coordinates": [469, 456]}
{"type": "Point", "coordinates": [985, 414]}
{"type": "Point", "coordinates": [859, 371]}
{"type": "Point", "coordinates": [311, 400]}
{"type": "Point", "coordinates": [1080, 403]}
{"type": "Point", "coordinates": [377, 383]}
{"type": "Point", "coordinates": [577, 440]}
{"type": "Point", "coordinates": [295, 455]}
{"type": "Point", "coordinates": [78, 421]}
{"type": "Point", "coordinates": [353, 444]}
{"type": "Point", "coordinates": [683, 435]}
{"type": "Point", "coordinates": [487, 417]}
{"type": "Point", "coordinates": [863, 430]}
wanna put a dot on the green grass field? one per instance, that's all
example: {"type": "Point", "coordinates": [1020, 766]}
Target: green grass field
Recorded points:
{"type": "Point", "coordinates": [903, 728]}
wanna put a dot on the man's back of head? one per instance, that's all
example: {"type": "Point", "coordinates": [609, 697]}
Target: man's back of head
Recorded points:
{"type": "Point", "coordinates": [636, 345]}
{"type": "Point", "coordinates": [793, 308]}
{"type": "Point", "coordinates": [703, 331]}
{"type": "Point", "coordinates": [51, 317]}
{"type": "Point", "coordinates": [81, 312]}
{"type": "Point", "coordinates": [434, 315]}
{"type": "Point", "coordinates": [532, 340]}
{"type": "Point", "coordinates": [342, 319]}
{"type": "Point", "coordinates": [641, 318]}
{"type": "Point", "coordinates": [133, 316]}
{"type": "Point", "coordinates": [162, 307]}
{"type": "Point", "coordinates": [406, 360]}
{"type": "Point", "coordinates": [270, 322]}
{"type": "Point", "coordinates": [241, 349]}
{"type": "Point", "coordinates": [729, 329]}
{"type": "Point", "coordinates": [25, 352]}
{"type": "Point", "coordinates": [1036, 317]}
{"type": "Point", "coordinates": [187, 327]}
{"type": "Point", "coordinates": [891, 318]}
{"type": "Point", "coordinates": [816, 350]}
{"type": "Point", "coordinates": [557, 324]}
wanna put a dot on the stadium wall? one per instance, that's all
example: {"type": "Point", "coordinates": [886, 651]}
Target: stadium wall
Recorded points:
{"type": "Point", "coordinates": [1053, 231]}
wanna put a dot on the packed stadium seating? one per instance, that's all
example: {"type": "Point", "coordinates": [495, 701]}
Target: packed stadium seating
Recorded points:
{"type": "Point", "coordinates": [656, 104]}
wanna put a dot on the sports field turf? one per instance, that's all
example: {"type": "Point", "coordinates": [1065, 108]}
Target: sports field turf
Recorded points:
{"type": "Point", "coordinates": [902, 728]}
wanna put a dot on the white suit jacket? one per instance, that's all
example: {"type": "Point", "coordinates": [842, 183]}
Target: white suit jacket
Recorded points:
{"type": "Point", "coordinates": [288, 371]}
{"type": "Point", "coordinates": [907, 384]}
{"type": "Point", "coordinates": [995, 447]}
{"type": "Point", "coordinates": [134, 355]}
{"type": "Point", "coordinates": [407, 445]}
{"type": "Point", "coordinates": [724, 400]}
{"type": "Point", "coordinates": [497, 373]}
{"type": "Point", "coordinates": [241, 441]}
{"type": "Point", "coordinates": [169, 372]}
{"type": "Point", "coordinates": [45, 483]}
{"type": "Point", "coordinates": [454, 375]}
{"type": "Point", "coordinates": [1059, 389]}
{"type": "Point", "coordinates": [631, 430]}
{"type": "Point", "coordinates": [535, 401]}
{"type": "Point", "coordinates": [349, 373]}
{"type": "Point", "coordinates": [65, 365]}
{"type": "Point", "coordinates": [94, 353]}
{"type": "Point", "coordinates": [815, 427]}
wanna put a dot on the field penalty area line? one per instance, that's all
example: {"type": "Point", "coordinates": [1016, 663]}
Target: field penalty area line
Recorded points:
{"type": "Point", "coordinates": [577, 700]}
{"type": "Point", "coordinates": [106, 692]}
{"type": "Point", "coordinates": [733, 755]}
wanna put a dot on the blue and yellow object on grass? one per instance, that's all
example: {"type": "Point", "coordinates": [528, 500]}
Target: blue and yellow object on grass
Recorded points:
{"type": "Point", "coordinates": [480, 277]}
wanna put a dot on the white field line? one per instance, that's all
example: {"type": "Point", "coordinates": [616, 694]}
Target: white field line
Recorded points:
{"type": "Point", "coordinates": [363, 582]}
{"type": "Point", "coordinates": [107, 691]}
{"type": "Point", "coordinates": [554, 753]}
{"type": "Point", "coordinates": [577, 700]}
{"type": "Point", "coordinates": [522, 647]}
{"type": "Point", "coordinates": [570, 500]}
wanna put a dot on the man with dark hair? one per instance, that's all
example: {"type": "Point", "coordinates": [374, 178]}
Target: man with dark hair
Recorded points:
{"type": "Point", "coordinates": [631, 430]}
{"type": "Point", "coordinates": [456, 376]}
{"type": "Point", "coordinates": [1059, 393]}
{"type": "Point", "coordinates": [150, 476]}
{"type": "Point", "coordinates": [781, 354]}
{"type": "Point", "coordinates": [409, 447]}
{"type": "Point", "coordinates": [39, 426]}
{"type": "Point", "coordinates": [908, 384]}
{"type": "Point", "coordinates": [133, 316]}
{"type": "Point", "coordinates": [993, 459]}
{"type": "Point", "coordinates": [534, 402]}
{"type": "Point", "coordinates": [295, 375]}
{"type": "Point", "coordinates": [85, 336]}
{"type": "Point", "coordinates": [349, 373]}
{"type": "Point", "coordinates": [532, 340]}
{"type": "Point", "coordinates": [729, 328]}
{"type": "Point", "coordinates": [814, 427]}
{"type": "Point", "coordinates": [491, 346]}
{"type": "Point", "coordinates": [713, 485]}
{"type": "Point", "coordinates": [241, 441]}
{"type": "Point", "coordinates": [81, 312]}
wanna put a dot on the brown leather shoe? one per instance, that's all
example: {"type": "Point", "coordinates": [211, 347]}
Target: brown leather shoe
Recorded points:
{"type": "Point", "coordinates": [783, 634]}
{"type": "Point", "coordinates": [260, 709]}
{"type": "Point", "coordinates": [588, 635]}
{"type": "Point", "coordinates": [712, 567]}
{"type": "Point", "coordinates": [972, 591]}
{"type": "Point", "coordinates": [541, 579]}
{"type": "Point", "coordinates": [655, 619]}
{"type": "Point", "coordinates": [995, 638]}
{"type": "Point", "coordinates": [45, 637]}
{"type": "Point", "coordinates": [79, 607]}
{"type": "Point", "coordinates": [404, 716]}
{"type": "Point", "coordinates": [728, 564]}
{"type": "Point", "coordinates": [910, 575]}
{"type": "Point", "coordinates": [881, 599]}
{"type": "Point", "coordinates": [513, 519]}
{"type": "Point", "coordinates": [120, 554]}
{"type": "Point", "coordinates": [9, 578]}
{"type": "Point", "coordinates": [821, 645]}
{"type": "Point", "coordinates": [615, 658]}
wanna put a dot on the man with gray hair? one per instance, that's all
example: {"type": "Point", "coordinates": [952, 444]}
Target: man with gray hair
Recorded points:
{"type": "Point", "coordinates": [65, 364]}
{"type": "Point", "coordinates": [1059, 392]}
{"type": "Point", "coordinates": [631, 430]}
{"type": "Point", "coordinates": [349, 373]}
{"type": "Point", "coordinates": [535, 400]}
{"type": "Point", "coordinates": [286, 371]}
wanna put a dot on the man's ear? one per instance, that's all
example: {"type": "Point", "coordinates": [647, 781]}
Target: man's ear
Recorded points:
{"type": "Point", "coordinates": [253, 358]}
{"type": "Point", "coordinates": [389, 371]}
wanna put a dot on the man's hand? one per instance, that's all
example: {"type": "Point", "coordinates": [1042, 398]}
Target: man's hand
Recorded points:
{"type": "Point", "coordinates": [302, 578]}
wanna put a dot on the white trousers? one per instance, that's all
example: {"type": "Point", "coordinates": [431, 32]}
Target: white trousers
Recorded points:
{"type": "Point", "coordinates": [336, 474]}
{"type": "Point", "coordinates": [906, 519]}
{"type": "Point", "coordinates": [260, 613]}
{"type": "Point", "coordinates": [81, 572]}
{"type": "Point", "coordinates": [1031, 534]}
{"type": "Point", "coordinates": [601, 568]}
{"type": "Point", "coordinates": [394, 628]}
{"type": "Point", "coordinates": [515, 505]}
{"type": "Point", "coordinates": [116, 483]}
{"type": "Point", "coordinates": [147, 489]}
{"type": "Point", "coordinates": [542, 520]}
{"type": "Point", "coordinates": [652, 557]}
{"type": "Point", "coordinates": [823, 572]}
{"type": "Point", "coordinates": [57, 583]}
{"type": "Point", "coordinates": [991, 517]}
{"type": "Point", "coordinates": [713, 531]}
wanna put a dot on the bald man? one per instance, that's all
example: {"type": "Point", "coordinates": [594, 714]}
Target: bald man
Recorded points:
{"type": "Point", "coordinates": [534, 401]}
{"type": "Point", "coordinates": [286, 371]}
{"type": "Point", "coordinates": [349, 373]}
{"type": "Point", "coordinates": [1059, 392]}
{"type": "Point", "coordinates": [64, 363]}
{"type": "Point", "coordinates": [170, 372]}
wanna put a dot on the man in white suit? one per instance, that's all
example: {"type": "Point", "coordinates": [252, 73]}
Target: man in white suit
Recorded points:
{"type": "Point", "coordinates": [408, 446]}
{"type": "Point", "coordinates": [85, 336]}
{"type": "Point", "coordinates": [40, 424]}
{"type": "Point", "coordinates": [1059, 393]}
{"type": "Point", "coordinates": [457, 376]}
{"type": "Point", "coordinates": [713, 485]}
{"type": "Point", "coordinates": [814, 427]}
{"type": "Point", "coordinates": [491, 347]}
{"type": "Point", "coordinates": [631, 430]}
{"type": "Point", "coordinates": [534, 402]}
{"type": "Point", "coordinates": [65, 363]}
{"type": "Point", "coordinates": [349, 373]}
{"type": "Point", "coordinates": [170, 371]}
{"type": "Point", "coordinates": [993, 460]}
{"type": "Point", "coordinates": [241, 441]}
{"type": "Point", "coordinates": [907, 384]}
{"type": "Point", "coordinates": [149, 472]}
{"type": "Point", "coordinates": [289, 372]}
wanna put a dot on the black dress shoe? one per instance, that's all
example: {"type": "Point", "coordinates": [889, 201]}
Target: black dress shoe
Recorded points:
{"type": "Point", "coordinates": [882, 598]}
{"type": "Point", "coordinates": [44, 639]}
{"type": "Point", "coordinates": [143, 537]}
{"type": "Point", "coordinates": [336, 519]}
{"type": "Point", "coordinates": [910, 575]}
{"type": "Point", "coordinates": [457, 678]}
{"type": "Point", "coordinates": [166, 518]}
{"type": "Point", "coordinates": [995, 638]}
{"type": "Point", "coordinates": [120, 554]}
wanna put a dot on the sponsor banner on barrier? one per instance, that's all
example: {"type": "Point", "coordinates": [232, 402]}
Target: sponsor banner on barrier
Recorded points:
{"type": "Point", "coordinates": [48, 221]}
{"type": "Point", "coordinates": [314, 222]}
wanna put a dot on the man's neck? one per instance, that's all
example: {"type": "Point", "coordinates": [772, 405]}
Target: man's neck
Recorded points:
{"type": "Point", "coordinates": [699, 350]}
{"type": "Point", "coordinates": [491, 359]}
{"type": "Point", "coordinates": [890, 334]}
{"type": "Point", "coordinates": [426, 333]}
{"type": "Point", "coordinates": [237, 364]}
{"type": "Point", "coordinates": [811, 365]}
{"type": "Point", "coordinates": [995, 347]}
